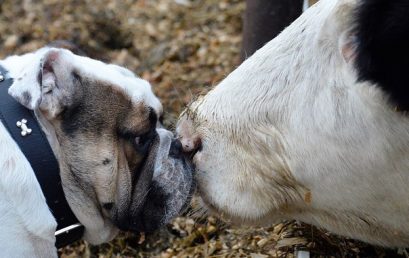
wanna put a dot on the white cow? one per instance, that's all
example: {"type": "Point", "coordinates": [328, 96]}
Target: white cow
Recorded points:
{"type": "Point", "coordinates": [307, 128]}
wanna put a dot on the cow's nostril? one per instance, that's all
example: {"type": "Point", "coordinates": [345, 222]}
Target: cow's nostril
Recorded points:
{"type": "Point", "coordinates": [176, 149]}
{"type": "Point", "coordinates": [192, 144]}
{"type": "Point", "coordinates": [108, 205]}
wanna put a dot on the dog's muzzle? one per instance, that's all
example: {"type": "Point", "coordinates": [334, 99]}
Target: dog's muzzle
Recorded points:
{"type": "Point", "coordinates": [168, 192]}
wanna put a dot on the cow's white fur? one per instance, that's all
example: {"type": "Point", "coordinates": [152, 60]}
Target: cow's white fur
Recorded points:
{"type": "Point", "coordinates": [27, 225]}
{"type": "Point", "coordinates": [291, 134]}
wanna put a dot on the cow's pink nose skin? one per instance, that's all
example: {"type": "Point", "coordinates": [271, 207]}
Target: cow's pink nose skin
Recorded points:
{"type": "Point", "coordinates": [190, 144]}
{"type": "Point", "coordinates": [190, 140]}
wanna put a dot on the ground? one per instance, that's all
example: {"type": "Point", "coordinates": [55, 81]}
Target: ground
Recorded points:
{"type": "Point", "coordinates": [184, 48]}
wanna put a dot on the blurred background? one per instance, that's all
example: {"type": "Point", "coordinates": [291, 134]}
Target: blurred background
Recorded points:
{"type": "Point", "coordinates": [183, 48]}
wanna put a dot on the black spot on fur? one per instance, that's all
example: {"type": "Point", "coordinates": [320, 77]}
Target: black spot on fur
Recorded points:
{"type": "Point", "coordinates": [106, 161]}
{"type": "Point", "coordinates": [26, 97]}
{"type": "Point", "coordinates": [72, 121]}
{"type": "Point", "coordinates": [382, 29]}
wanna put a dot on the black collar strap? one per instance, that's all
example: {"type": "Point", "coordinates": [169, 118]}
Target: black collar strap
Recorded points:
{"type": "Point", "coordinates": [27, 133]}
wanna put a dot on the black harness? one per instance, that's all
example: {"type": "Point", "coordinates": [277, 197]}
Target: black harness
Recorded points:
{"type": "Point", "coordinates": [27, 133]}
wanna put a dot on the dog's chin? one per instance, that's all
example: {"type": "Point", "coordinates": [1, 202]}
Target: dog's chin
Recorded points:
{"type": "Point", "coordinates": [99, 236]}
{"type": "Point", "coordinates": [169, 196]}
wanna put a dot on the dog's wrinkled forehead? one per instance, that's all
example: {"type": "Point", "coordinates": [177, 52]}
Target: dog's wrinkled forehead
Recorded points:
{"type": "Point", "coordinates": [26, 71]}
{"type": "Point", "coordinates": [137, 89]}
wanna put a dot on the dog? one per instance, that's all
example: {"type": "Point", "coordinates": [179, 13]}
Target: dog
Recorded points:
{"type": "Point", "coordinates": [312, 127]}
{"type": "Point", "coordinates": [119, 169]}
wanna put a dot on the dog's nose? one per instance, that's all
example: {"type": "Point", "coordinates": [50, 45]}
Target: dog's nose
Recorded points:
{"type": "Point", "coordinates": [176, 149]}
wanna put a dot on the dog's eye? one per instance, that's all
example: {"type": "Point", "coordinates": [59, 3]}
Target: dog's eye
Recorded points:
{"type": "Point", "coordinates": [143, 142]}
{"type": "Point", "coordinates": [127, 135]}
{"type": "Point", "coordinates": [138, 140]}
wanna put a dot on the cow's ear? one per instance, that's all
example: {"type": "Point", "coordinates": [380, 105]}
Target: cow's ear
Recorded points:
{"type": "Point", "coordinates": [381, 54]}
{"type": "Point", "coordinates": [348, 46]}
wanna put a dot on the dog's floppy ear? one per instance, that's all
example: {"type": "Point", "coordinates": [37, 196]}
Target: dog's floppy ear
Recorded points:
{"type": "Point", "coordinates": [26, 86]}
{"type": "Point", "coordinates": [45, 82]}
{"type": "Point", "coordinates": [382, 46]}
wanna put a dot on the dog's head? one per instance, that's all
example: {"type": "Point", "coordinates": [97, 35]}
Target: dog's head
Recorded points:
{"type": "Point", "coordinates": [118, 169]}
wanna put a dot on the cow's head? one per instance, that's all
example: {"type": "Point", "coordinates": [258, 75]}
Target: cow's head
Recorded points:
{"type": "Point", "coordinates": [307, 127]}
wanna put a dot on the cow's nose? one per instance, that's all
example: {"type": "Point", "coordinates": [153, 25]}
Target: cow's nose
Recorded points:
{"type": "Point", "coordinates": [191, 144]}
{"type": "Point", "coordinates": [189, 139]}
{"type": "Point", "coordinates": [176, 149]}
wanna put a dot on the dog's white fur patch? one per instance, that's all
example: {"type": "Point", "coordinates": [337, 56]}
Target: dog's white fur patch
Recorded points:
{"type": "Point", "coordinates": [25, 217]}
{"type": "Point", "coordinates": [23, 69]}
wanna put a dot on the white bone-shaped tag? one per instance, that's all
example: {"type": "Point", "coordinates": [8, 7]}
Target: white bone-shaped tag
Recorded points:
{"type": "Point", "coordinates": [24, 129]}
